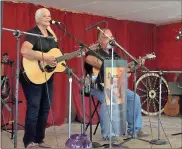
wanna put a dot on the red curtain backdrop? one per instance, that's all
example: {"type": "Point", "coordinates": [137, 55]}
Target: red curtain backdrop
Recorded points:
{"type": "Point", "coordinates": [137, 38]}
{"type": "Point", "coordinates": [169, 51]}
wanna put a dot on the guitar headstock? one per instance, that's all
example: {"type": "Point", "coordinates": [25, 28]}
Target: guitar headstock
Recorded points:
{"type": "Point", "coordinates": [150, 56]}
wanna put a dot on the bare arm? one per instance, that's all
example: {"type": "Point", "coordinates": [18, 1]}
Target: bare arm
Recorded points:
{"type": "Point", "coordinates": [131, 65]}
{"type": "Point", "coordinates": [93, 61]}
{"type": "Point", "coordinates": [27, 52]}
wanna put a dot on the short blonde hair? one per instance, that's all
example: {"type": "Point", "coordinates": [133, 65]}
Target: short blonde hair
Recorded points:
{"type": "Point", "coordinates": [52, 32]}
{"type": "Point", "coordinates": [38, 14]}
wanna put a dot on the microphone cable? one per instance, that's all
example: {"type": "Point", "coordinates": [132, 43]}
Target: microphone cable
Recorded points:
{"type": "Point", "coordinates": [47, 90]}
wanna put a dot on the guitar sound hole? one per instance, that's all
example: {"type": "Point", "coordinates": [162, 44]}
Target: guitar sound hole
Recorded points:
{"type": "Point", "coordinates": [49, 68]}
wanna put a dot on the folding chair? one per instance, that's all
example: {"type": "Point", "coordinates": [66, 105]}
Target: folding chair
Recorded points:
{"type": "Point", "coordinates": [96, 105]}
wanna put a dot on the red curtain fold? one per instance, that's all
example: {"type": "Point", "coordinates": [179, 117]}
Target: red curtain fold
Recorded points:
{"type": "Point", "coordinates": [140, 39]}
{"type": "Point", "coordinates": [137, 38]}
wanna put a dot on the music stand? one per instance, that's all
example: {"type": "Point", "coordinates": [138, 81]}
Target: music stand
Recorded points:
{"type": "Point", "coordinates": [18, 34]}
{"type": "Point", "coordinates": [114, 86]}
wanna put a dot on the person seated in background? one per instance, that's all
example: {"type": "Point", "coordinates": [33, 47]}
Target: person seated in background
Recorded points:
{"type": "Point", "coordinates": [96, 61]}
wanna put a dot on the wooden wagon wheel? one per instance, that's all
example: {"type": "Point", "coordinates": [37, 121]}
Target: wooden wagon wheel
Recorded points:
{"type": "Point", "coordinates": [147, 87]}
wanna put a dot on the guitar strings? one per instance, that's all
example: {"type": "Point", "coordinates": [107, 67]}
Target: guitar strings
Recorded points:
{"type": "Point", "coordinates": [47, 90]}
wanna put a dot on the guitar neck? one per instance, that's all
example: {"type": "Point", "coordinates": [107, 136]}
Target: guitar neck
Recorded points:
{"type": "Point", "coordinates": [68, 56]}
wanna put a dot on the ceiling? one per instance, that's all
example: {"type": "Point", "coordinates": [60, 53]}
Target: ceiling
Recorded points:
{"type": "Point", "coordinates": [149, 11]}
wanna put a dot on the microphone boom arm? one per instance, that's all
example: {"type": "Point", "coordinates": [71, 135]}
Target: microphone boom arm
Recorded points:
{"type": "Point", "coordinates": [78, 41]}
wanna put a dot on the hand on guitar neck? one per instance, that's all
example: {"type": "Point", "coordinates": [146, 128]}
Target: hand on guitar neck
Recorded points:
{"type": "Point", "coordinates": [85, 50]}
{"type": "Point", "coordinates": [141, 61]}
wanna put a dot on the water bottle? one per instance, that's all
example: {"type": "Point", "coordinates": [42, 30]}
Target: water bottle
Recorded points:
{"type": "Point", "coordinates": [87, 84]}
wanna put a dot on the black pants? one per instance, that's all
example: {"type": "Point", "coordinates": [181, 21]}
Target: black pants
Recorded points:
{"type": "Point", "coordinates": [38, 106]}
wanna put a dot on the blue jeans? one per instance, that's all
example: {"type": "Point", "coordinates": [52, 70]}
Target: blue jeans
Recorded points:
{"type": "Point", "coordinates": [38, 106]}
{"type": "Point", "coordinates": [130, 104]}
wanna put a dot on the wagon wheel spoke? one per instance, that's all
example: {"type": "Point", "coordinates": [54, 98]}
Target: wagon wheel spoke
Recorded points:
{"type": "Point", "coordinates": [148, 89]}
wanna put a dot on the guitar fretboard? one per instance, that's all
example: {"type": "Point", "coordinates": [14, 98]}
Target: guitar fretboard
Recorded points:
{"type": "Point", "coordinates": [68, 56]}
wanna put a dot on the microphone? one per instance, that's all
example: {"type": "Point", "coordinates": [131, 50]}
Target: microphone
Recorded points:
{"type": "Point", "coordinates": [88, 28]}
{"type": "Point", "coordinates": [55, 22]}
{"type": "Point", "coordinates": [112, 42]}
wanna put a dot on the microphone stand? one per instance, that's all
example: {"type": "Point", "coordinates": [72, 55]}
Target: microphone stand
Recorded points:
{"type": "Point", "coordinates": [111, 99]}
{"type": "Point", "coordinates": [11, 64]}
{"type": "Point", "coordinates": [70, 73]}
{"type": "Point", "coordinates": [158, 141]}
{"type": "Point", "coordinates": [82, 45]}
{"type": "Point", "coordinates": [136, 62]}
{"type": "Point", "coordinates": [18, 34]}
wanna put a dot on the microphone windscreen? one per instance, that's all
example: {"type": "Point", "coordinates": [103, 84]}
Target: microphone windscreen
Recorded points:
{"type": "Point", "coordinates": [52, 21]}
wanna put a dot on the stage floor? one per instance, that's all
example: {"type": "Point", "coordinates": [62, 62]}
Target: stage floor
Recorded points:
{"type": "Point", "coordinates": [171, 125]}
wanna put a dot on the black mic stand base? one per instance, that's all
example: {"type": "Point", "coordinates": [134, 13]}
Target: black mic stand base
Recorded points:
{"type": "Point", "coordinates": [158, 142]}
{"type": "Point", "coordinates": [12, 131]}
{"type": "Point", "coordinates": [11, 123]}
{"type": "Point", "coordinates": [175, 134]}
{"type": "Point", "coordinates": [132, 138]}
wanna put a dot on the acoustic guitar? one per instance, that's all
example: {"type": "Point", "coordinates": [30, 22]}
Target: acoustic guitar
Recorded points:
{"type": "Point", "coordinates": [172, 106]}
{"type": "Point", "coordinates": [38, 72]}
{"type": "Point", "coordinates": [147, 56]}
